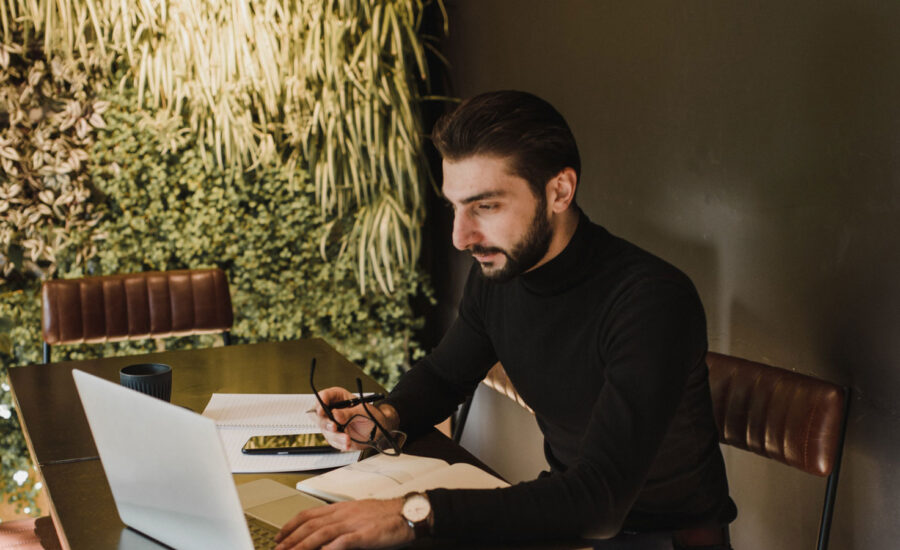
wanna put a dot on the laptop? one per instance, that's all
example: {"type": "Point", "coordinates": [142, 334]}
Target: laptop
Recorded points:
{"type": "Point", "coordinates": [170, 478]}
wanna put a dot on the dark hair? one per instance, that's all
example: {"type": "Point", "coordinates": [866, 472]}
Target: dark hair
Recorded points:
{"type": "Point", "coordinates": [510, 124]}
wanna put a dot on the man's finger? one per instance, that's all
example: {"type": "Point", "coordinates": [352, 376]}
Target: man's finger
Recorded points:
{"type": "Point", "coordinates": [312, 534]}
{"type": "Point", "coordinates": [301, 518]}
{"type": "Point", "coordinates": [343, 415]}
{"type": "Point", "coordinates": [340, 441]}
{"type": "Point", "coordinates": [294, 538]}
{"type": "Point", "coordinates": [346, 540]}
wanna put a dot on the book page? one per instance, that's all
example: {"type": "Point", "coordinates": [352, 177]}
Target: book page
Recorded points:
{"type": "Point", "coordinates": [263, 410]}
{"type": "Point", "coordinates": [456, 476]}
{"type": "Point", "coordinates": [369, 477]}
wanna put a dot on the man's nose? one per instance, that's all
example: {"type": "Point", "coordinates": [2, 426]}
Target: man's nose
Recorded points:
{"type": "Point", "coordinates": [465, 232]}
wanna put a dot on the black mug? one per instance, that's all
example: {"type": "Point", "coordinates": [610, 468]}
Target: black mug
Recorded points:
{"type": "Point", "coordinates": [154, 379]}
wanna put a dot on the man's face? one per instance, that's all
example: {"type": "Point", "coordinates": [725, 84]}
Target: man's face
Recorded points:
{"type": "Point", "coordinates": [496, 217]}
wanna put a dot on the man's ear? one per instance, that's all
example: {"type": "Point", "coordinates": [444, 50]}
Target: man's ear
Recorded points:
{"type": "Point", "coordinates": [561, 190]}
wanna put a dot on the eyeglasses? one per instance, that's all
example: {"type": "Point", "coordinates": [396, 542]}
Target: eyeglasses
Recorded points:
{"type": "Point", "coordinates": [357, 427]}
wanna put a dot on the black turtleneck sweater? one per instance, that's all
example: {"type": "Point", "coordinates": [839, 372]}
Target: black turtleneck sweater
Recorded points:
{"type": "Point", "coordinates": [607, 344]}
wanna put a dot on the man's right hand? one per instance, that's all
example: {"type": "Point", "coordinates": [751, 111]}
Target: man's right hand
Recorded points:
{"type": "Point", "coordinates": [359, 428]}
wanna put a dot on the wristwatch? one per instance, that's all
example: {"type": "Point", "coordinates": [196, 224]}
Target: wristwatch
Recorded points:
{"type": "Point", "coordinates": [417, 513]}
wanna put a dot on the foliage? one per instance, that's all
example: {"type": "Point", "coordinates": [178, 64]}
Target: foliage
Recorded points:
{"type": "Point", "coordinates": [47, 124]}
{"type": "Point", "coordinates": [20, 317]}
{"type": "Point", "coordinates": [331, 82]}
{"type": "Point", "coordinates": [166, 210]}
{"type": "Point", "coordinates": [19, 314]}
{"type": "Point", "coordinates": [310, 199]}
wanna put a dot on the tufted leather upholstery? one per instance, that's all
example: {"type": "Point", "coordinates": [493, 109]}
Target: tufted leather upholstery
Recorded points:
{"type": "Point", "coordinates": [782, 415]}
{"type": "Point", "coordinates": [134, 306]}
{"type": "Point", "coordinates": [29, 534]}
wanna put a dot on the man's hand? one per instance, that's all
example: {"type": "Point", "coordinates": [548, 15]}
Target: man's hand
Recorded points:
{"type": "Point", "coordinates": [359, 428]}
{"type": "Point", "coordinates": [355, 524]}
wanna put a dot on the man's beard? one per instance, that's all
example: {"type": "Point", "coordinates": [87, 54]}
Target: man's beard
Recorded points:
{"type": "Point", "coordinates": [526, 253]}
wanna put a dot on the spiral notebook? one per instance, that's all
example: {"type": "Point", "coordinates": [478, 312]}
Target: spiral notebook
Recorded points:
{"type": "Point", "coordinates": [263, 410]}
{"type": "Point", "coordinates": [240, 416]}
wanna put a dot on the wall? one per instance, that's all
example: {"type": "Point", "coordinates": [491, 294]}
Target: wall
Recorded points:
{"type": "Point", "coordinates": [756, 145]}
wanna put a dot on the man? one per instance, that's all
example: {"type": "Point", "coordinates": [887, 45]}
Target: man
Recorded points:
{"type": "Point", "coordinates": [604, 341]}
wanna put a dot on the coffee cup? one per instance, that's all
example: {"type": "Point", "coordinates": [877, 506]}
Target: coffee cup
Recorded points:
{"type": "Point", "coordinates": [153, 379]}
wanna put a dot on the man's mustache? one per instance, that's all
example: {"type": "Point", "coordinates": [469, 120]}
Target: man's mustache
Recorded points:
{"type": "Point", "coordinates": [477, 249]}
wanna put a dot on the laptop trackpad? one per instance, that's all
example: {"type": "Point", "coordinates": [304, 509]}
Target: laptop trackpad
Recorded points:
{"type": "Point", "coordinates": [274, 503]}
{"type": "Point", "coordinates": [278, 512]}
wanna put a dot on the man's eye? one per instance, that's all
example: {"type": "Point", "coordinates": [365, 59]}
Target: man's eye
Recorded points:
{"type": "Point", "coordinates": [487, 207]}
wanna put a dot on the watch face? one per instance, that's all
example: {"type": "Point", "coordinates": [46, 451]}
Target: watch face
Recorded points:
{"type": "Point", "coordinates": [416, 508]}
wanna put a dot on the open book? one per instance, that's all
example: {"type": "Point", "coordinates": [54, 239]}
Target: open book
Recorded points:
{"type": "Point", "coordinates": [383, 476]}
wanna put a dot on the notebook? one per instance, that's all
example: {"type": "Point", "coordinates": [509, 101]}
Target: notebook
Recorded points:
{"type": "Point", "coordinates": [383, 476]}
{"type": "Point", "coordinates": [240, 416]}
{"type": "Point", "coordinates": [169, 476]}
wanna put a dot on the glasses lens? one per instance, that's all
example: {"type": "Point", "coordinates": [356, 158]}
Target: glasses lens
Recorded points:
{"type": "Point", "coordinates": [360, 428]}
{"type": "Point", "coordinates": [383, 444]}
{"type": "Point", "coordinates": [364, 431]}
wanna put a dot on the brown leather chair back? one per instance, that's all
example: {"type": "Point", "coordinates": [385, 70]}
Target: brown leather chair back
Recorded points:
{"type": "Point", "coordinates": [135, 306]}
{"type": "Point", "coordinates": [789, 417]}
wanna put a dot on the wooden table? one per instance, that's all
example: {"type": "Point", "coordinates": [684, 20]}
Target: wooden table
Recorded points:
{"type": "Point", "coordinates": [61, 445]}
{"type": "Point", "coordinates": [60, 442]}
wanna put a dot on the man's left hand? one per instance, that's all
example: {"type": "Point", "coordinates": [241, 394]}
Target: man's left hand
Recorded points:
{"type": "Point", "coordinates": [355, 524]}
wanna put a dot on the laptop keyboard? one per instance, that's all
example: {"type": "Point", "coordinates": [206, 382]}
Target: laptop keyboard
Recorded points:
{"type": "Point", "coordinates": [262, 533]}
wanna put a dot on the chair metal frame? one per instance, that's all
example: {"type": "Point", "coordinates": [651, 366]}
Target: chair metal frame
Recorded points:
{"type": "Point", "coordinates": [832, 484]}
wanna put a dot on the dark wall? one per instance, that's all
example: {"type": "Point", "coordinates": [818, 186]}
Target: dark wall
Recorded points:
{"type": "Point", "coordinates": [756, 145]}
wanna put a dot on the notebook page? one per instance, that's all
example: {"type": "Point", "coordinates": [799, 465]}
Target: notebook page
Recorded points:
{"type": "Point", "coordinates": [457, 476]}
{"type": "Point", "coordinates": [263, 410]}
{"type": "Point", "coordinates": [370, 476]}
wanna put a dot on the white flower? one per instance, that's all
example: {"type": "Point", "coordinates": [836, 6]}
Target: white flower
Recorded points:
{"type": "Point", "coordinates": [5, 386]}
{"type": "Point", "coordinates": [27, 510]}
{"type": "Point", "coordinates": [20, 477]}
{"type": "Point", "coordinates": [5, 413]}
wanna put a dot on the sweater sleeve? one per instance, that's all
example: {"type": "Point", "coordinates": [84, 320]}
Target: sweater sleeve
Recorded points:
{"type": "Point", "coordinates": [431, 391]}
{"type": "Point", "coordinates": [656, 337]}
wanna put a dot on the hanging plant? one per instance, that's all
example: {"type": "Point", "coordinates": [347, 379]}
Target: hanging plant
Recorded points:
{"type": "Point", "coordinates": [329, 86]}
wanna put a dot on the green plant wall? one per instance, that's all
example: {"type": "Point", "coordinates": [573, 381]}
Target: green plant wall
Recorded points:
{"type": "Point", "coordinates": [167, 210]}
{"type": "Point", "coordinates": [94, 180]}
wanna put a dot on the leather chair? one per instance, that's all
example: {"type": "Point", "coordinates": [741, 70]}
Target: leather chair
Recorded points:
{"type": "Point", "coordinates": [135, 306]}
{"type": "Point", "coordinates": [795, 419]}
